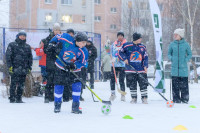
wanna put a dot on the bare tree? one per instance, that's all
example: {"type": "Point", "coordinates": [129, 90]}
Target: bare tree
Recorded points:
{"type": "Point", "coordinates": [189, 15]}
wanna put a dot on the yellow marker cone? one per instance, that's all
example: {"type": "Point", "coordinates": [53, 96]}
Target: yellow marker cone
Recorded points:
{"type": "Point", "coordinates": [180, 128]}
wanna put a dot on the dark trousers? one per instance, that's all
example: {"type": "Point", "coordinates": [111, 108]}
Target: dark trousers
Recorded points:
{"type": "Point", "coordinates": [49, 89]}
{"type": "Point", "coordinates": [17, 81]}
{"type": "Point", "coordinates": [180, 89]}
{"type": "Point", "coordinates": [121, 72]}
{"type": "Point", "coordinates": [132, 79]}
{"type": "Point", "coordinates": [43, 73]}
{"type": "Point", "coordinates": [84, 72]}
{"type": "Point", "coordinates": [106, 76]}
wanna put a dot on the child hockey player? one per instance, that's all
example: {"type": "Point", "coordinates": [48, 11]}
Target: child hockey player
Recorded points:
{"type": "Point", "coordinates": [134, 54]}
{"type": "Point", "coordinates": [119, 66]}
{"type": "Point", "coordinates": [74, 54]}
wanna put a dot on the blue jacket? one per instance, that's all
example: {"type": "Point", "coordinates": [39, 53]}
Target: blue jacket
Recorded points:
{"type": "Point", "coordinates": [116, 46]}
{"type": "Point", "coordinates": [136, 56]}
{"type": "Point", "coordinates": [70, 52]}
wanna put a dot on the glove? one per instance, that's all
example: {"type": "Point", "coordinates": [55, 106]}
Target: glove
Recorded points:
{"type": "Point", "coordinates": [70, 66]}
{"type": "Point", "coordinates": [10, 70]}
{"type": "Point", "coordinates": [29, 71]}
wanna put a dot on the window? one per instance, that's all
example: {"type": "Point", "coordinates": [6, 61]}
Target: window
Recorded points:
{"type": "Point", "coordinates": [113, 10]}
{"type": "Point", "coordinates": [66, 2]}
{"type": "Point", "coordinates": [97, 18]}
{"type": "Point", "coordinates": [83, 19]}
{"type": "Point", "coordinates": [83, 3]}
{"type": "Point", "coordinates": [113, 27]}
{"type": "Point", "coordinates": [48, 1]}
{"type": "Point", "coordinates": [97, 2]}
{"type": "Point", "coordinates": [48, 17]}
{"type": "Point", "coordinates": [67, 18]}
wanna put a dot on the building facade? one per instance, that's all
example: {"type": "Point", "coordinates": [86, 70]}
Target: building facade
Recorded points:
{"type": "Point", "coordinates": [42, 14]}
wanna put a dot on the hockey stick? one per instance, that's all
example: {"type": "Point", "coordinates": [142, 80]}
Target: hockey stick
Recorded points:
{"type": "Point", "coordinates": [119, 90]}
{"type": "Point", "coordinates": [105, 102]}
{"type": "Point", "coordinates": [149, 83]}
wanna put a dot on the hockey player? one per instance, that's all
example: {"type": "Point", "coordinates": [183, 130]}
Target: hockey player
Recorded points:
{"type": "Point", "coordinates": [134, 54]}
{"type": "Point", "coordinates": [74, 54]}
{"type": "Point", "coordinates": [119, 66]}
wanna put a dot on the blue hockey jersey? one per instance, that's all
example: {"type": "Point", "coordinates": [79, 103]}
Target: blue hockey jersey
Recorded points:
{"type": "Point", "coordinates": [70, 52]}
{"type": "Point", "coordinates": [115, 47]}
{"type": "Point", "coordinates": [136, 56]}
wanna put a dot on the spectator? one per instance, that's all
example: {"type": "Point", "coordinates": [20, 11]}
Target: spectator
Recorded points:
{"type": "Point", "coordinates": [19, 62]}
{"type": "Point", "coordinates": [179, 53]}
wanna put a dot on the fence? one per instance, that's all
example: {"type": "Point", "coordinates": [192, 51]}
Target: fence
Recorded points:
{"type": "Point", "coordinates": [34, 37]}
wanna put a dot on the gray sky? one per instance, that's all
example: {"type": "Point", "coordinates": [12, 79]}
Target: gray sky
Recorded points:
{"type": "Point", "coordinates": [4, 13]}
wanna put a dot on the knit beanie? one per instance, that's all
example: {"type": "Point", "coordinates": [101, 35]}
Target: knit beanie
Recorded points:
{"type": "Point", "coordinates": [136, 36]}
{"type": "Point", "coordinates": [56, 26]}
{"type": "Point", "coordinates": [22, 32]}
{"type": "Point", "coordinates": [180, 32]}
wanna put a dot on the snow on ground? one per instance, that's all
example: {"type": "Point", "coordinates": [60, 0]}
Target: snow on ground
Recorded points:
{"type": "Point", "coordinates": [34, 116]}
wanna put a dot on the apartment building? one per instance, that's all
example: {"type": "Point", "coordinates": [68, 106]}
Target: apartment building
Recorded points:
{"type": "Point", "coordinates": [42, 14]}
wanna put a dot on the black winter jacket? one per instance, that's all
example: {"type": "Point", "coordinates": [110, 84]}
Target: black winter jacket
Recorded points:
{"type": "Point", "coordinates": [19, 56]}
{"type": "Point", "coordinates": [92, 56]}
{"type": "Point", "coordinates": [50, 52]}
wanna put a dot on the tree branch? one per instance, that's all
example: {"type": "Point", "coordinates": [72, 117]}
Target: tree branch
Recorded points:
{"type": "Point", "coordinates": [181, 11]}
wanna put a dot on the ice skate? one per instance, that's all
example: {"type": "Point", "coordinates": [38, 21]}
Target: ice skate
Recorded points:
{"type": "Point", "coordinates": [57, 107]}
{"type": "Point", "coordinates": [133, 101]}
{"type": "Point", "coordinates": [75, 108]}
{"type": "Point", "coordinates": [123, 98]}
{"type": "Point", "coordinates": [144, 100]}
{"type": "Point", "coordinates": [112, 97]}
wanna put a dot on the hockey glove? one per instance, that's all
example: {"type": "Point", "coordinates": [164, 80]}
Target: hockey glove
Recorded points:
{"type": "Point", "coordinates": [11, 70]}
{"type": "Point", "coordinates": [70, 66]}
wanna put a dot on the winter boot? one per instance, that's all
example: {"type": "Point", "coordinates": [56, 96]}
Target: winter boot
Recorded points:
{"type": "Point", "coordinates": [19, 100]}
{"type": "Point", "coordinates": [144, 100]}
{"type": "Point", "coordinates": [57, 107]}
{"type": "Point", "coordinates": [46, 100]}
{"type": "Point", "coordinates": [91, 86]}
{"type": "Point", "coordinates": [133, 101]}
{"type": "Point", "coordinates": [112, 97]}
{"type": "Point", "coordinates": [12, 100]}
{"type": "Point", "coordinates": [75, 108]}
{"type": "Point", "coordinates": [123, 98]}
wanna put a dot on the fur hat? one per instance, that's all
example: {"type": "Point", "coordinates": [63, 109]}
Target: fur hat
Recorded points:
{"type": "Point", "coordinates": [56, 26]}
{"type": "Point", "coordinates": [180, 32]}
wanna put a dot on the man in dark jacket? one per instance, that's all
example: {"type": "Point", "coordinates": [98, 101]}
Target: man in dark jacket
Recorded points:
{"type": "Point", "coordinates": [92, 56]}
{"type": "Point", "coordinates": [19, 62]}
{"type": "Point", "coordinates": [50, 64]}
